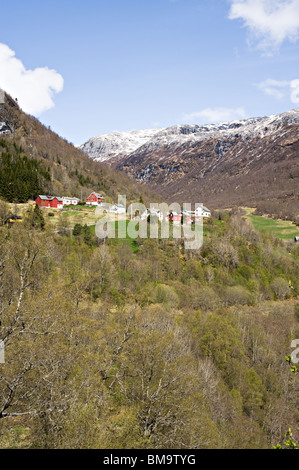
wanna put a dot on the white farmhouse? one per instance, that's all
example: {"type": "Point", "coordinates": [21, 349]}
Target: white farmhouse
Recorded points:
{"type": "Point", "coordinates": [68, 201]}
{"type": "Point", "coordinates": [118, 209]}
{"type": "Point", "coordinates": [202, 212]}
{"type": "Point", "coordinates": [145, 214]}
{"type": "Point", "coordinates": [157, 213]}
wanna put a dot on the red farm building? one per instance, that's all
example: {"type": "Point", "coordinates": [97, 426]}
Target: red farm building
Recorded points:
{"type": "Point", "coordinates": [176, 218]}
{"type": "Point", "coordinates": [94, 199]}
{"type": "Point", "coordinates": [52, 202]}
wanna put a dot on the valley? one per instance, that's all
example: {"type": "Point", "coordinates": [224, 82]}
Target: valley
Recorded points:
{"type": "Point", "coordinates": [252, 162]}
{"type": "Point", "coordinates": [149, 230]}
{"type": "Point", "coordinates": [140, 343]}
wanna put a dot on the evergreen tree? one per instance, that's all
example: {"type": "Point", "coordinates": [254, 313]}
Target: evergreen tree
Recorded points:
{"type": "Point", "coordinates": [77, 230]}
{"type": "Point", "coordinates": [35, 218]}
{"type": "Point", "coordinates": [21, 178]}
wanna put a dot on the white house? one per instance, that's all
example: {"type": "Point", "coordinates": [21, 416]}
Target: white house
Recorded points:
{"type": "Point", "coordinates": [144, 214]}
{"type": "Point", "coordinates": [118, 209]}
{"type": "Point", "coordinates": [67, 201]}
{"type": "Point", "coordinates": [202, 212]}
{"type": "Point", "coordinates": [112, 208]}
{"type": "Point", "coordinates": [157, 213]}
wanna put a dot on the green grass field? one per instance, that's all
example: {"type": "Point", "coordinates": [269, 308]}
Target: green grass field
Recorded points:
{"type": "Point", "coordinates": [282, 229]}
{"type": "Point", "coordinates": [122, 236]}
{"type": "Point", "coordinates": [75, 215]}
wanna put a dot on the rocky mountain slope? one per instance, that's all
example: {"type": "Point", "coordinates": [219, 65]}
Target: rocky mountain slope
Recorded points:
{"type": "Point", "coordinates": [247, 162]}
{"type": "Point", "coordinates": [72, 172]}
{"type": "Point", "coordinates": [116, 144]}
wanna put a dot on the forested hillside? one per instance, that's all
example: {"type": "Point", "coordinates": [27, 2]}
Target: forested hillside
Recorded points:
{"type": "Point", "coordinates": [21, 178]}
{"type": "Point", "coordinates": [71, 172]}
{"type": "Point", "coordinates": [144, 345]}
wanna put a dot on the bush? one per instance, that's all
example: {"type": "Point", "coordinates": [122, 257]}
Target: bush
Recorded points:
{"type": "Point", "coordinates": [206, 298]}
{"type": "Point", "coordinates": [164, 294]}
{"type": "Point", "coordinates": [226, 254]}
{"type": "Point", "coordinates": [280, 288]}
{"type": "Point", "coordinates": [237, 295]}
{"type": "Point", "coordinates": [77, 230]}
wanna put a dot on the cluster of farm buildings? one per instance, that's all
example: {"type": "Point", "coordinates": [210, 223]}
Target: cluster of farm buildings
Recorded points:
{"type": "Point", "coordinates": [55, 202]}
{"type": "Point", "coordinates": [177, 217]}
{"type": "Point", "coordinates": [96, 199]}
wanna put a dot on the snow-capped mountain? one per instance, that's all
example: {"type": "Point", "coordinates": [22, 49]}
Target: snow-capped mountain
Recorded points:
{"type": "Point", "coordinates": [121, 144]}
{"type": "Point", "coordinates": [236, 162]}
{"type": "Point", "coordinates": [107, 146]}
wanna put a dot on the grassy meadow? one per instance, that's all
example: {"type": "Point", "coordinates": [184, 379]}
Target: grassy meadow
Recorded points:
{"type": "Point", "coordinates": [283, 229]}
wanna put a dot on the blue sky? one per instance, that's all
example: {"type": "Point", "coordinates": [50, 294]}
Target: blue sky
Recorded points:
{"type": "Point", "coordinates": [87, 68]}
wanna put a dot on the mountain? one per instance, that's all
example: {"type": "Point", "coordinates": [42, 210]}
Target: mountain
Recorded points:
{"type": "Point", "coordinates": [116, 144]}
{"type": "Point", "coordinates": [251, 162]}
{"type": "Point", "coordinates": [72, 172]}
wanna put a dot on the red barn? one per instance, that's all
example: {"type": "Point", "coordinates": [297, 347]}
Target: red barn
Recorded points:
{"type": "Point", "coordinates": [56, 203]}
{"type": "Point", "coordinates": [94, 199]}
{"type": "Point", "coordinates": [43, 201]}
{"type": "Point", "coordinates": [49, 201]}
{"type": "Point", "coordinates": [177, 218]}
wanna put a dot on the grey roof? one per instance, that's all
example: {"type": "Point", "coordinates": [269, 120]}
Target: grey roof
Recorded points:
{"type": "Point", "coordinates": [50, 198]}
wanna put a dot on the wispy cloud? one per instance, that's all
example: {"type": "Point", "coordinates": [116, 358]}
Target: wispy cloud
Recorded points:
{"type": "Point", "coordinates": [295, 91]}
{"type": "Point", "coordinates": [33, 88]}
{"type": "Point", "coordinates": [281, 89]}
{"type": "Point", "coordinates": [269, 22]}
{"type": "Point", "coordinates": [213, 115]}
{"type": "Point", "coordinates": [275, 88]}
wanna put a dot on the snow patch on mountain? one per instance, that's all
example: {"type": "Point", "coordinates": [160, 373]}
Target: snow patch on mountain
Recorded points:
{"type": "Point", "coordinates": [106, 146]}
{"type": "Point", "coordinates": [122, 144]}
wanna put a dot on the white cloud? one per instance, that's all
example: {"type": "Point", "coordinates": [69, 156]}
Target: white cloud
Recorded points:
{"type": "Point", "coordinates": [279, 89]}
{"type": "Point", "coordinates": [295, 91]}
{"type": "Point", "coordinates": [33, 88]}
{"type": "Point", "coordinates": [214, 115]}
{"type": "Point", "coordinates": [270, 22]}
{"type": "Point", "coordinates": [274, 88]}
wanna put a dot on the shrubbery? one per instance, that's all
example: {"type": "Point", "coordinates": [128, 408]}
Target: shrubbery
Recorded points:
{"type": "Point", "coordinates": [151, 346]}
